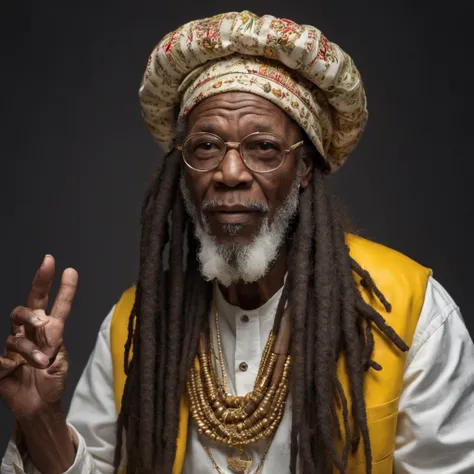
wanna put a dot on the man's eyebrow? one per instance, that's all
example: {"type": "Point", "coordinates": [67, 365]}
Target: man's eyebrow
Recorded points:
{"type": "Point", "coordinates": [262, 127]}
{"type": "Point", "coordinates": [206, 127]}
{"type": "Point", "coordinates": [254, 126]}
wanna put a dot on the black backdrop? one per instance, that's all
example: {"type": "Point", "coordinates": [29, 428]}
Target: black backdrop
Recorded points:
{"type": "Point", "coordinates": [76, 158]}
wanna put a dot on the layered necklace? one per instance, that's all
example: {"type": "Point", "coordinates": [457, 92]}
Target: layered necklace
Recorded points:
{"type": "Point", "coordinates": [237, 421]}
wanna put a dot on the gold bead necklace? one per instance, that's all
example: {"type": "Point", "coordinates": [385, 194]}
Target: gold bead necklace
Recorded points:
{"type": "Point", "coordinates": [237, 421]}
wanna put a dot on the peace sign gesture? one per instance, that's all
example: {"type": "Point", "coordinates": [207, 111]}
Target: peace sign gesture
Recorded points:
{"type": "Point", "coordinates": [34, 365]}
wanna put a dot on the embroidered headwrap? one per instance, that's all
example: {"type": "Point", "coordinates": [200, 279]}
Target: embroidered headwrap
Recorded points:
{"type": "Point", "coordinates": [294, 66]}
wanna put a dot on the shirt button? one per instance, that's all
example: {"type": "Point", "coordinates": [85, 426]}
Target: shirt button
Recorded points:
{"type": "Point", "coordinates": [244, 318]}
{"type": "Point", "coordinates": [243, 366]}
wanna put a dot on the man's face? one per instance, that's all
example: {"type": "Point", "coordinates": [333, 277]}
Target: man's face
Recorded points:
{"type": "Point", "coordinates": [224, 195]}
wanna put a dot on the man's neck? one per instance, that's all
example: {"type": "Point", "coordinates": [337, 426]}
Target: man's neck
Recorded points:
{"type": "Point", "coordinates": [253, 295]}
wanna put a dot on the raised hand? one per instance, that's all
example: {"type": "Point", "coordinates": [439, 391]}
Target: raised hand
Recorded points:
{"type": "Point", "coordinates": [34, 365]}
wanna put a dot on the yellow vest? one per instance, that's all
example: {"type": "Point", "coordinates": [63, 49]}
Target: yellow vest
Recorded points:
{"type": "Point", "coordinates": [403, 282]}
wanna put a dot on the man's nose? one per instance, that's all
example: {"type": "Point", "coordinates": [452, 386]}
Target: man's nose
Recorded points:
{"type": "Point", "coordinates": [232, 171]}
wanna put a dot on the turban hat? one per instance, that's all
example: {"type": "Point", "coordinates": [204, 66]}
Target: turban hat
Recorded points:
{"type": "Point", "coordinates": [294, 66]}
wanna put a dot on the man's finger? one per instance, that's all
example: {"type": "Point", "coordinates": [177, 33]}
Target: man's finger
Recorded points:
{"type": "Point", "coordinates": [28, 350]}
{"type": "Point", "coordinates": [7, 366]}
{"type": "Point", "coordinates": [38, 297]}
{"type": "Point", "coordinates": [22, 316]}
{"type": "Point", "coordinates": [67, 291]}
{"type": "Point", "coordinates": [15, 357]}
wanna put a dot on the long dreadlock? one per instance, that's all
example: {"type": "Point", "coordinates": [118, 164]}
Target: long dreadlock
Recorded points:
{"type": "Point", "coordinates": [329, 318]}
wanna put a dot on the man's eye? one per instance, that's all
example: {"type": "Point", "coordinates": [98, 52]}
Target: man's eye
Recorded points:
{"type": "Point", "coordinates": [205, 146]}
{"type": "Point", "coordinates": [267, 146]}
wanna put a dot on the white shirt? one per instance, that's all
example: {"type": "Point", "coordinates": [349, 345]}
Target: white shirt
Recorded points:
{"type": "Point", "coordinates": [435, 430]}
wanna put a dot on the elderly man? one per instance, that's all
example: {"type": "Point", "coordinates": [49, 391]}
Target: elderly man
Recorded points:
{"type": "Point", "coordinates": [260, 337]}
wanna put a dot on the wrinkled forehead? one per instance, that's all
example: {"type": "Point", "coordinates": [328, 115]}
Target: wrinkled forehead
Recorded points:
{"type": "Point", "coordinates": [228, 109]}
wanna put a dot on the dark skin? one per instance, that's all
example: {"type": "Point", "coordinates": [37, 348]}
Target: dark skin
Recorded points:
{"type": "Point", "coordinates": [232, 116]}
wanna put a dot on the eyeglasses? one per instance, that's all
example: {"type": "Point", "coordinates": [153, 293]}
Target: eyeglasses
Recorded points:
{"type": "Point", "coordinates": [260, 151]}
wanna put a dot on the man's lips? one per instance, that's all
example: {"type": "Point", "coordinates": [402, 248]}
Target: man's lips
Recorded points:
{"type": "Point", "coordinates": [233, 214]}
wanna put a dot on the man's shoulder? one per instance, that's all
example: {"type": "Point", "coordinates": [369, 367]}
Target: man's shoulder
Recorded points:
{"type": "Point", "coordinates": [124, 306]}
{"type": "Point", "coordinates": [378, 258]}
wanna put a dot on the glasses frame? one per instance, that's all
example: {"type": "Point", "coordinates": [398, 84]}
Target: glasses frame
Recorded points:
{"type": "Point", "coordinates": [236, 146]}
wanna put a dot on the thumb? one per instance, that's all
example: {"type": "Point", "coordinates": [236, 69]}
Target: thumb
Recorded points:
{"type": "Point", "coordinates": [59, 363]}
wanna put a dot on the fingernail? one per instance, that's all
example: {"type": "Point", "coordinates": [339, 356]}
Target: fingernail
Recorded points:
{"type": "Point", "coordinates": [40, 357]}
{"type": "Point", "coordinates": [44, 258]}
{"type": "Point", "coordinates": [38, 320]}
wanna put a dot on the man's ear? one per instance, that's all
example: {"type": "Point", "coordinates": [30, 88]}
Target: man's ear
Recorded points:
{"type": "Point", "coordinates": [306, 164]}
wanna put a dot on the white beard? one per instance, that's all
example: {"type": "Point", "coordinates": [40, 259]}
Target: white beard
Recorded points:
{"type": "Point", "coordinates": [230, 263]}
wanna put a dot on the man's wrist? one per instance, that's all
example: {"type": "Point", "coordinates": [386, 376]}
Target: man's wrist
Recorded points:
{"type": "Point", "coordinates": [47, 438]}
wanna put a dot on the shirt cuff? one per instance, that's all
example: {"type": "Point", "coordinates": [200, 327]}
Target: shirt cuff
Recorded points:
{"type": "Point", "coordinates": [13, 463]}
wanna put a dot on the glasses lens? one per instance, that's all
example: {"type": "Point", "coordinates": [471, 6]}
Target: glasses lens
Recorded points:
{"type": "Point", "coordinates": [203, 151]}
{"type": "Point", "coordinates": [262, 151]}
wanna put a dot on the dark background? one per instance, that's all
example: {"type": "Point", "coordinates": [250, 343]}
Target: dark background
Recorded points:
{"type": "Point", "coordinates": [76, 158]}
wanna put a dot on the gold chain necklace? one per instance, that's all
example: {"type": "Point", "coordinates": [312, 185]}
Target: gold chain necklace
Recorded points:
{"type": "Point", "coordinates": [237, 421]}
{"type": "Point", "coordinates": [244, 469]}
{"type": "Point", "coordinates": [266, 351]}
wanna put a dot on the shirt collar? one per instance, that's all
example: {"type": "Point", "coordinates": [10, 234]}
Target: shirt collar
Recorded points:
{"type": "Point", "coordinates": [231, 312]}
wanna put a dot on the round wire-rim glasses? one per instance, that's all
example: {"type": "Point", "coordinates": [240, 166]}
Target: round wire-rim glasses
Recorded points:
{"type": "Point", "coordinates": [280, 150]}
